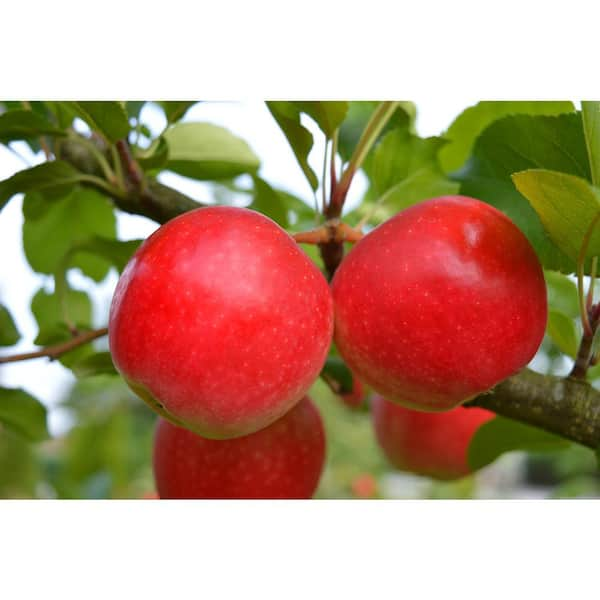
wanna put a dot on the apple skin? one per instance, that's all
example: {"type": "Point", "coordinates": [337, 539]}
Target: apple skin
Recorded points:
{"type": "Point", "coordinates": [440, 303]}
{"type": "Point", "coordinates": [284, 460]}
{"type": "Point", "coordinates": [425, 443]}
{"type": "Point", "coordinates": [220, 322]}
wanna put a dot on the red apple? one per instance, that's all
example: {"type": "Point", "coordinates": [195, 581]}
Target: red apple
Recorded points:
{"type": "Point", "coordinates": [284, 460]}
{"type": "Point", "coordinates": [440, 303]}
{"type": "Point", "coordinates": [431, 444]}
{"type": "Point", "coordinates": [220, 322]}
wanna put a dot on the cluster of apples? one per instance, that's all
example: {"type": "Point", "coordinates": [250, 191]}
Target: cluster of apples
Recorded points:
{"type": "Point", "coordinates": [222, 324]}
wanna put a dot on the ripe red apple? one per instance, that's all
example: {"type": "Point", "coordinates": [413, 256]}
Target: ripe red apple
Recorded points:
{"type": "Point", "coordinates": [431, 444]}
{"type": "Point", "coordinates": [440, 303]}
{"type": "Point", "coordinates": [284, 460]}
{"type": "Point", "coordinates": [220, 322]}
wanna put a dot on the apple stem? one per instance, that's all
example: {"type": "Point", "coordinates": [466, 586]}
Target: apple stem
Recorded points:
{"type": "Point", "coordinates": [333, 231]}
{"type": "Point", "coordinates": [332, 250]}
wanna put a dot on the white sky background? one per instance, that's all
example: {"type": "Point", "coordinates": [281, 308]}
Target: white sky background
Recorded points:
{"type": "Point", "coordinates": [47, 380]}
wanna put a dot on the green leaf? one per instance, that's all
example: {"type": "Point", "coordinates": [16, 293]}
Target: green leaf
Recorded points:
{"type": "Point", "coordinates": [175, 110]}
{"type": "Point", "coordinates": [134, 108]}
{"type": "Point", "coordinates": [206, 151]}
{"type": "Point", "coordinates": [52, 175]}
{"type": "Point", "coordinates": [25, 124]}
{"type": "Point", "coordinates": [502, 435]}
{"type": "Point", "coordinates": [399, 155]}
{"type": "Point", "coordinates": [116, 252]}
{"type": "Point", "coordinates": [48, 313]}
{"type": "Point", "coordinates": [358, 116]}
{"type": "Point", "coordinates": [300, 214]}
{"type": "Point", "coordinates": [426, 182]}
{"type": "Point", "coordinates": [472, 121]}
{"type": "Point", "coordinates": [514, 144]}
{"type": "Point", "coordinates": [563, 332]}
{"type": "Point", "coordinates": [108, 118]}
{"type": "Point", "coordinates": [562, 294]}
{"type": "Point", "coordinates": [154, 157]}
{"type": "Point", "coordinates": [336, 369]}
{"type": "Point", "coordinates": [590, 114]}
{"type": "Point", "coordinates": [403, 170]}
{"type": "Point", "coordinates": [19, 466]}
{"type": "Point", "coordinates": [51, 229]}
{"type": "Point", "coordinates": [328, 115]}
{"type": "Point", "coordinates": [9, 335]}
{"type": "Point", "coordinates": [267, 201]}
{"type": "Point", "coordinates": [22, 413]}
{"type": "Point", "coordinates": [99, 363]}
{"type": "Point", "coordinates": [300, 139]}
{"type": "Point", "coordinates": [41, 111]}
{"type": "Point", "coordinates": [565, 204]}
{"type": "Point", "coordinates": [63, 113]}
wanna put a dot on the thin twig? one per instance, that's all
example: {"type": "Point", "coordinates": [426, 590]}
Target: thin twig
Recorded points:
{"type": "Point", "coordinates": [580, 272]}
{"type": "Point", "coordinates": [133, 170]}
{"type": "Point", "coordinates": [57, 350]}
{"type": "Point", "coordinates": [374, 127]}
{"type": "Point", "coordinates": [332, 171]}
{"type": "Point", "coordinates": [590, 295]}
{"type": "Point", "coordinates": [45, 148]}
{"type": "Point", "coordinates": [324, 179]}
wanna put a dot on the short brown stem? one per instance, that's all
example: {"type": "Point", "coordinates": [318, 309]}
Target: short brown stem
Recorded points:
{"type": "Point", "coordinates": [330, 238]}
{"type": "Point", "coordinates": [332, 231]}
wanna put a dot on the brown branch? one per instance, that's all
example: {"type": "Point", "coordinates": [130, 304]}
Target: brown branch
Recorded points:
{"type": "Point", "coordinates": [57, 350]}
{"type": "Point", "coordinates": [152, 199]}
{"type": "Point", "coordinates": [567, 407]}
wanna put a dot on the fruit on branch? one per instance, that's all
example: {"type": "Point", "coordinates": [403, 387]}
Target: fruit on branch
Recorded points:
{"type": "Point", "coordinates": [430, 444]}
{"type": "Point", "coordinates": [220, 322]}
{"type": "Point", "coordinates": [284, 460]}
{"type": "Point", "coordinates": [440, 303]}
